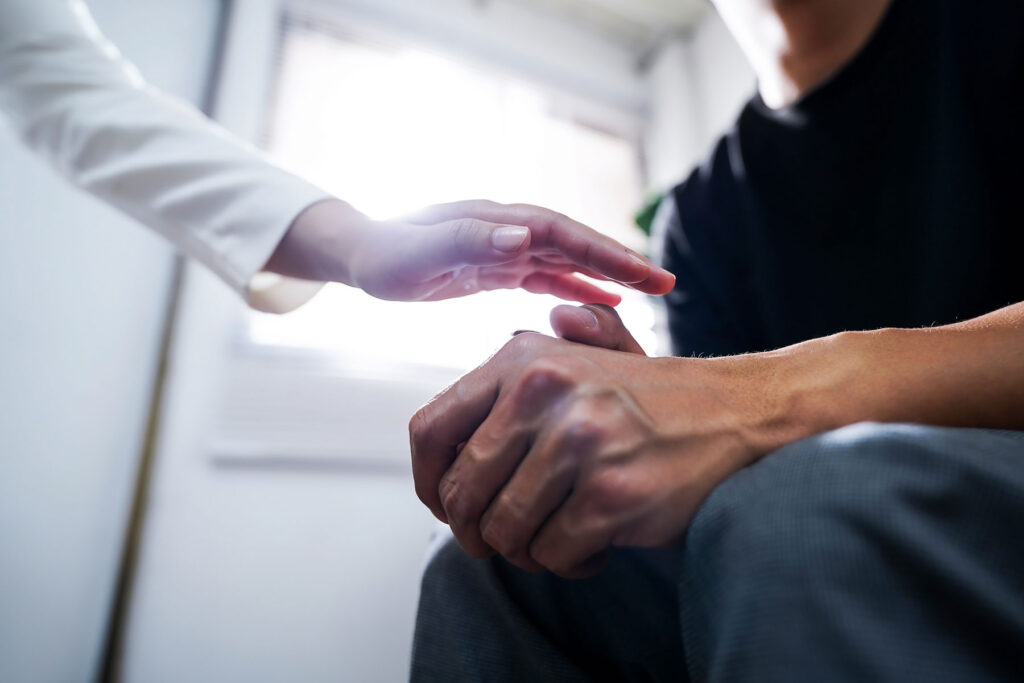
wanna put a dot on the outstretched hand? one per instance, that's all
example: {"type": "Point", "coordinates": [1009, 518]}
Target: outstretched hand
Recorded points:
{"type": "Point", "coordinates": [453, 250]}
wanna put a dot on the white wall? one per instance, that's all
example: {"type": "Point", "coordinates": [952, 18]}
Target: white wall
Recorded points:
{"type": "Point", "coordinates": [306, 568]}
{"type": "Point", "coordinates": [84, 297]}
{"type": "Point", "coordinates": [698, 83]}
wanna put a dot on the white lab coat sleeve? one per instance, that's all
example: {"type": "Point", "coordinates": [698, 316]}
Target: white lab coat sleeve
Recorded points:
{"type": "Point", "coordinates": [71, 97]}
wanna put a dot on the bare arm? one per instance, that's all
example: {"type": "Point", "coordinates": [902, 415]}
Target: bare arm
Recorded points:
{"type": "Point", "coordinates": [73, 99]}
{"type": "Point", "coordinates": [969, 374]}
{"type": "Point", "coordinates": [554, 451]}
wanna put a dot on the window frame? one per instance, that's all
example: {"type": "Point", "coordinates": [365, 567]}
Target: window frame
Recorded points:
{"type": "Point", "coordinates": [379, 23]}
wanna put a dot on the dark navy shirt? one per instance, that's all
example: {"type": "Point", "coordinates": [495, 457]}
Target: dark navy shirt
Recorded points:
{"type": "Point", "coordinates": [890, 196]}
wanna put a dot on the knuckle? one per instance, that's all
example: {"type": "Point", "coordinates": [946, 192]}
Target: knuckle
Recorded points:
{"type": "Point", "coordinates": [544, 213]}
{"type": "Point", "coordinates": [613, 490]}
{"type": "Point", "coordinates": [461, 389]}
{"type": "Point", "coordinates": [497, 535]}
{"type": "Point", "coordinates": [503, 529]}
{"type": "Point", "coordinates": [570, 451]}
{"type": "Point", "coordinates": [525, 344]}
{"type": "Point", "coordinates": [544, 373]}
{"type": "Point", "coordinates": [554, 220]}
{"type": "Point", "coordinates": [458, 502]}
{"type": "Point", "coordinates": [472, 454]}
{"type": "Point", "coordinates": [585, 427]}
{"type": "Point", "coordinates": [584, 431]}
{"type": "Point", "coordinates": [419, 427]}
{"type": "Point", "coordinates": [465, 232]}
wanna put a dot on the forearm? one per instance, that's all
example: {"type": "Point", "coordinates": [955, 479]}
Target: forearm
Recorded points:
{"type": "Point", "coordinates": [318, 244]}
{"type": "Point", "coordinates": [74, 100]}
{"type": "Point", "coordinates": [966, 375]}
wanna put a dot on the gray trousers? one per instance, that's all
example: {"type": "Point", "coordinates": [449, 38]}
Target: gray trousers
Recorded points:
{"type": "Point", "coordinates": [872, 553]}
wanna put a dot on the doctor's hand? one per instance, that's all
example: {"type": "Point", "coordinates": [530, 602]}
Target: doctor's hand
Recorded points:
{"type": "Point", "coordinates": [453, 250]}
{"type": "Point", "coordinates": [554, 451]}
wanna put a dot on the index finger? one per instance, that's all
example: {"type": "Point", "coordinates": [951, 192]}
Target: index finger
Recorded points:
{"type": "Point", "coordinates": [446, 421]}
{"type": "Point", "coordinates": [579, 243]}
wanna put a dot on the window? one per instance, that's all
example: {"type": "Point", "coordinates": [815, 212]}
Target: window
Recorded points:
{"type": "Point", "coordinates": [393, 128]}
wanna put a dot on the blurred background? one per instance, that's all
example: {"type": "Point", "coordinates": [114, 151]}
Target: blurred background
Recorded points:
{"type": "Point", "coordinates": [190, 491]}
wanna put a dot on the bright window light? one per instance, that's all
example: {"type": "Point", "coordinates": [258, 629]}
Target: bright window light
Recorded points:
{"type": "Point", "coordinates": [392, 130]}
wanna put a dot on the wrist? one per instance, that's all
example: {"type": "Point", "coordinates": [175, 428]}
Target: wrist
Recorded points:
{"type": "Point", "coordinates": [792, 393]}
{"type": "Point", "coordinates": [321, 243]}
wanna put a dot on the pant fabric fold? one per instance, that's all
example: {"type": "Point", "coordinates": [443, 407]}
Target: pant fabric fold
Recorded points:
{"type": "Point", "coordinates": [874, 552]}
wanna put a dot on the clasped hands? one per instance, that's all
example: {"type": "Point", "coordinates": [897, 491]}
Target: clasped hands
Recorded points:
{"type": "Point", "coordinates": [556, 450]}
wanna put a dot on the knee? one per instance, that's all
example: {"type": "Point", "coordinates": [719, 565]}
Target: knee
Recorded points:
{"type": "Point", "coordinates": [451, 590]}
{"type": "Point", "coordinates": [816, 500]}
{"type": "Point", "coordinates": [447, 567]}
{"type": "Point", "coordinates": [856, 443]}
{"type": "Point", "coordinates": [856, 518]}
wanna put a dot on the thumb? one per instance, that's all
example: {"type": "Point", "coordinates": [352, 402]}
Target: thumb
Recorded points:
{"type": "Point", "coordinates": [445, 246]}
{"type": "Point", "coordinates": [595, 325]}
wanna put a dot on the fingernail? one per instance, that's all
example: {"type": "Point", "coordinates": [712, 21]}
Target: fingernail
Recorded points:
{"type": "Point", "coordinates": [587, 317]}
{"type": "Point", "coordinates": [509, 238]}
{"type": "Point", "coordinates": [519, 332]}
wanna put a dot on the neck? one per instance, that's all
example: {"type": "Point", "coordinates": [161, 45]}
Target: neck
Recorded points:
{"type": "Point", "coordinates": [796, 45]}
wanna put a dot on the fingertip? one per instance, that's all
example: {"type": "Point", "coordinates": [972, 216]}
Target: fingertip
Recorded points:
{"type": "Point", "coordinates": [573, 322]}
{"type": "Point", "coordinates": [665, 278]}
{"type": "Point", "coordinates": [603, 315]}
{"type": "Point", "coordinates": [558, 311]}
{"type": "Point", "coordinates": [661, 282]}
{"type": "Point", "coordinates": [603, 299]}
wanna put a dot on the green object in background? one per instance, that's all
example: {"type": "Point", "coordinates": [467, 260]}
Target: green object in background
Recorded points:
{"type": "Point", "coordinates": [645, 217]}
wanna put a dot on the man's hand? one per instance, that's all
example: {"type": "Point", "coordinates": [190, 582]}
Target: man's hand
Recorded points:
{"type": "Point", "coordinates": [552, 451]}
{"type": "Point", "coordinates": [453, 250]}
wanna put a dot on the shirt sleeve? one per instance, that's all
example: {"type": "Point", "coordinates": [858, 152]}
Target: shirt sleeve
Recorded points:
{"type": "Point", "coordinates": [75, 100]}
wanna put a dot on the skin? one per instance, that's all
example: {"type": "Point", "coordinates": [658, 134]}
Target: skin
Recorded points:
{"type": "Point", "coordinates": [555, 450]}
{"type": "Point", "coordinates": [796, 45]}
{"type": "Point", "coordinates": [453, 250]}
